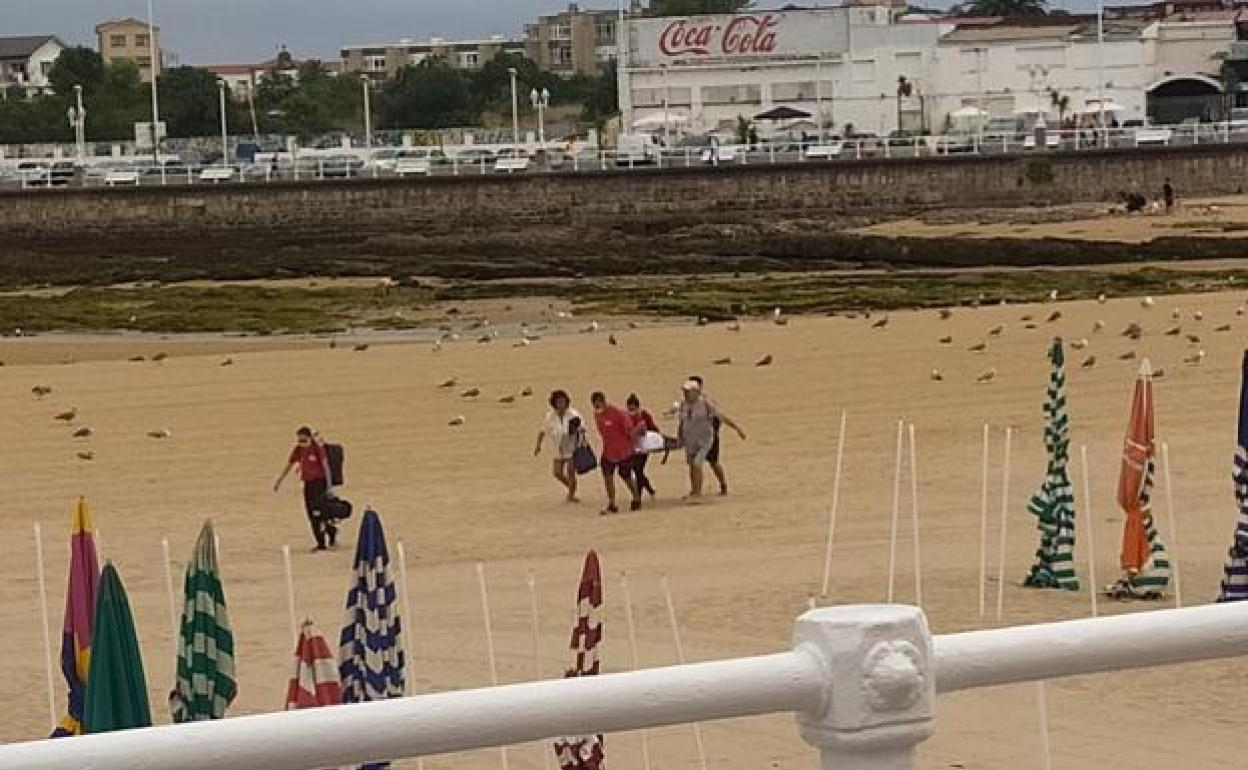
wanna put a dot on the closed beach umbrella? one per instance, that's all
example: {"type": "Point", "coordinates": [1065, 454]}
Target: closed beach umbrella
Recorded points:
{"type": "Point", "coordinates": [84, 581]}
{"type": "Point", "coordinates": [585, 752]}
{"type": "Point", "coordinates": [1054, 504]}
{"type": "Point", "coordinates": [1235, 581]}
{"type": "Point", "coordinates": [205, 684]}
{"type": "Point", "coordinates": [116, 686]}
{"type": "Point", "coordinates": [370, 650]}
{"type": "Point", "coordinates": [315, 679]}
{"type": "Point", "coordinates": [1145, 567]}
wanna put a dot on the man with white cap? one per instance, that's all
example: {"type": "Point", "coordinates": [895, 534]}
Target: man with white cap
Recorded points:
{"type": "Point", "coordinates": [696, 433]}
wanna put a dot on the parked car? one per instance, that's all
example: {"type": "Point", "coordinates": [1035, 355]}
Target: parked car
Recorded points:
{"type": "Point", "coordinates": [475, 156]}
{"type": "Point", "coordinates": [340, 167]}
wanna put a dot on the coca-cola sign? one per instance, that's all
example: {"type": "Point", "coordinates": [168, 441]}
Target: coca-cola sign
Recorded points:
{"type": "Point", "coordinates": [750, 35]}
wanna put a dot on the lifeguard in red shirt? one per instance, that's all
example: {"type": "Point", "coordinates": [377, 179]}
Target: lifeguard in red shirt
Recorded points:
{"type": "Point", "coordinates": [310, 457]}
{"type": "Point", "coordinates": [616, 429]}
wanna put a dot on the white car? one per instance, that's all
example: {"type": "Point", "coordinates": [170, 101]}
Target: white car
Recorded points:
{"type": "Point", "coordinates": [411, 167]}
{"type": "Point", "coordinates": [121, 176]}
{"type": "Point", "coordinates": [1152, 137]}
{"type": "Point", "coordinates": [825, 151]}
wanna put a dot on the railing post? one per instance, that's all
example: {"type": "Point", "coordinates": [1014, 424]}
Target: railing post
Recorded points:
{"type": "Point", "coordinates": [881, 699]}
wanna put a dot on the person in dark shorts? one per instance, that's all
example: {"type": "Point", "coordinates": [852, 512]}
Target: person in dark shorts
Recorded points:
{"type": "Point", "coordinates": [310, 458]}
{"type": "Point", "coordinates": [1167, 195]}
{"type": "Point", "coordinates": [616, 430]}
{"type": "Point", "coordinates": [643, 423]}
{"type": "Point", "coordinates": [712, 456]}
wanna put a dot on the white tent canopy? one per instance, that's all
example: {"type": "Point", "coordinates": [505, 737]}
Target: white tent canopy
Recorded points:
{"type": "Point", "coordinates": [1094, 107]}
{"type": "Point", "coordinates": [968, 112]}
{"type": "Point", "coordinates": [658, 120]}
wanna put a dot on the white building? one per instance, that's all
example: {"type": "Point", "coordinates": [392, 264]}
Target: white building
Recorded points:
{"type": "Point", "coordinates": [878, 69]}
{"type": "Point", "coordinates": [27, 61]}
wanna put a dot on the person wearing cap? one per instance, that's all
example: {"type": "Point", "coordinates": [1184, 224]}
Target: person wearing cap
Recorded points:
{"type": "Point", "coordinates": [712, 457]}
{"type": "Point", "coordinates": [696, 433]}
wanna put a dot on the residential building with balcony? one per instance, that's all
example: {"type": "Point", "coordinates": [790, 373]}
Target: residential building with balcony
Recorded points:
{"type": "Point", "coordinates": [130, 40]}
{"type": "Point", "coordinates": [384, 60]}
{"type": "Point", "coordinates": [26, 62]}
{"type": "Point", "coordinates": [575, 41]}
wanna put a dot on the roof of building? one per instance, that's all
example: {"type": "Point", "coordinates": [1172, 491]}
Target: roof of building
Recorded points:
{"type": "Point", "coordinates": [126, 22]}
{"type": "Point", "coordinates": [231, 69]}
{"type": "Point", "coordinates": [996, 34]}
{"type": "Point", "coordinates": [24, 47]}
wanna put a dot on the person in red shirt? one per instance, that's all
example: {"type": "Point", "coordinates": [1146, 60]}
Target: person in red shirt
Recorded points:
{"type": "Point", "coordinates": [616, 429]}
{"type": "Point", "coordinates": [643, 423]}
{"type": "Point", "coordinates": [309, 457]}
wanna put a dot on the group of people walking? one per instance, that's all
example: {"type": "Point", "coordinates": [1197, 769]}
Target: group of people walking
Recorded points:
{"type": "Point", "coordinates": [628, 436]}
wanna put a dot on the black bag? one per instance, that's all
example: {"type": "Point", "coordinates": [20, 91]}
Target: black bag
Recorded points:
{"type": "Point", "coordinates": [334, 508]}
{"type": "Point", "coordinates": [583, 458]}
{"type": "Point", "coordinates": [334, 458]}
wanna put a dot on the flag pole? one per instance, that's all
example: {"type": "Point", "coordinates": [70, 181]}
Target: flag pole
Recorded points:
{"type": "Point", "coordinates": [632, 651]}
{"type": "Point", "coordinates": [892, 537]}
{"type": "Point", "coordinates": [47, 637]}
{"type": "Point", "coordinates": [1174, 526]}
{"type": "Point", "coordinates": [914, 501]}
{"type": "Point", "coordinates": [836, 499]}
{"type": "Point", "coordinates": [531, 579]}
{"type": "Point", "coordinates": [173, 602]}
{"type": "Point", "coordinates": [680, 659]}
{"type": "Point", "coordinates": [401, 552]}
{"type": "Point", "coordinates": [1005, 509]}
{"type": "Point", "coordinates": [1087, 512]}
{"type": "Point", "coordinates": [489, 645]}
{"type": "Point", "coordinates": [983, 530]}
{"type": "Point", "coordinates": [290, 591]}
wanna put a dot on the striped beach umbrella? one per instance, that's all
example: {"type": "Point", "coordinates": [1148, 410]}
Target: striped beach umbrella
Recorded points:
{"type": "Point", "coordinates": [1235, 581]}
{"type": "Point", "coordinates": [84, 582]}
{"type": "Point", "coordinates": [1054, 503]}
{"type": "Point", "coordinates": [370, 651]}
{"type": "Point", "coordinates": [205, 684]}
{"type": "Point", "coordinates": [585, 752]}
{"type": "Point", "coordinates": [315, 680]}
{"type": "Point", "coordinates": [116, 685]}
{"type": "Point", "coordinates": [1145, 566]}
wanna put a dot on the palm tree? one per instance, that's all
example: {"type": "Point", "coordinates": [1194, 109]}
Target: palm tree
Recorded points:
{"type": "Point", "coordinates": [1006, 8]}
{"type": "Point", "coordinates": [1060, 102]}
{"type": "Point", "coordinates": [904, 89]}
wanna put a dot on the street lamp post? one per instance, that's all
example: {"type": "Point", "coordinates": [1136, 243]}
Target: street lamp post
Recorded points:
{"type": "Point", "coordinates": [1100, 49]}
{"type": "Point", "coordinates": [368, 115]}
{"type": "Point", "coordinates": [515, 109]}
{"type": "Point", "coordinates": [154, 55]}
{"type": "Point", "coordinates": [667, 130]}
{"type": "Point", "coordinates": [540, 101]}
{"type": "Point", "coordinates": [78, 121]}
{"type": "Point", "coordinates": [225, 135]}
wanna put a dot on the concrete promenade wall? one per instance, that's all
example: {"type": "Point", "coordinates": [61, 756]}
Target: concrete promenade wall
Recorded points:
{"type": "Point", "coordinates": [603, 199]}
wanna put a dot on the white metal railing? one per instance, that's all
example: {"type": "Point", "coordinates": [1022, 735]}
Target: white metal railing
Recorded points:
{"type": "Point", "coordinates": [862, 680]}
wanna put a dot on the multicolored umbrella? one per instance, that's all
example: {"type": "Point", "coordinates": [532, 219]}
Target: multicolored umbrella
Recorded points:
{"type": "Point", "coordinates": [1054, 503]}
{"type": "Point", "coordinates": [205, 684]}
{"type": "Point", "coordinates": [1235, 583]}
{"type": "Point", "coordinates": [585, 752]}
{"type": "Point", "coordinates": [84, 582]}
{"type": "Point", "coordinates": [370, 651]}
{"type": "Point", "coordinates": [116, 686]}
{"type": "Point", "coordinates": [315, 681]}
{"type": "Point", "coordinates": [1145, 567]}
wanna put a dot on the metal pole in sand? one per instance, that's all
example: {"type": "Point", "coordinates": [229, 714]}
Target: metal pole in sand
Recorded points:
{"type": "Point", "coordinates": [892, 534]}
{"type": "Point", "coordinates": [983, 530]}
{"type": "Point", "coordinates": [836, 499]}
{"type": "Point", "coordinates": [1005, 509]}
{"type": "Point", "coordinates": [290, 591]}
{"type": "Point", "coordinates": [1174, 527]}
{"type": "Point", "coordinates": [43, 609]}
{"type": "Point", "coordinates": [174, 622]}
{"type": "Point", "coordinates": [489, 645]}
{"type": "Point", "coordinates": [632, 650]}
{"type": "Point", "coordinates": [535, 621]}
{"type": "Point", "coordinates": [1087, 514]}
{"type": "Point", "coordinates": [680, 659]}
{"type": "Point", "coordinates": [914, 502]}
{"type": "Point", "coordinates": [405, 588]}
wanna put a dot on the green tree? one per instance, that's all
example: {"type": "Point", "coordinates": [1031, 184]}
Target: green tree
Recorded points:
{"type": "Point", "coordinates": [310, 105]}
{"type": "Point", "coordinates": [697, 7]}
{"type": "Point", "coordinates": [603, 97]}
{"type": "Point", "coordinates": [428, 95]}
{"type": "Point", "coordinates": [1005, 8]}
{"type": "Point", "coordinates": [77, 66]}
{"type": "Point", "coordinates": [190, 103]}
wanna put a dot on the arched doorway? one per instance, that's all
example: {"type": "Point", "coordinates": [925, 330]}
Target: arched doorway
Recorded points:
{"type": "Point", "coordinates": [1181, 97]}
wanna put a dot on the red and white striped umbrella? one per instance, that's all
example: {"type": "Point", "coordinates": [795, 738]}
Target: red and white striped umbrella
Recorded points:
{"type": "Point", "coordinates": [315, 681]}
{"type": "Point", "coordinates": [585, 752]}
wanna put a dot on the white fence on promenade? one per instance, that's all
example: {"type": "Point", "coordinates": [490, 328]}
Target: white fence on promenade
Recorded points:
{"type": "Point", "coordinates": [862, 681]}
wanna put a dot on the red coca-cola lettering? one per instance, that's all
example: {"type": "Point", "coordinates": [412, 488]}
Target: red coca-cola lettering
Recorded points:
{"type": "Point", "coordinates": [743, 36]}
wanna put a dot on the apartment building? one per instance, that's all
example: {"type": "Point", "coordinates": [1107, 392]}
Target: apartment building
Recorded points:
{"type": "Point", "coordinates": [130, 40]}
{"type": "Point", "coordinates": [574, 41]}
{"type": "Point", "coordinates": [25, 62]}
{"type": "Point", "coordinates": [384, 60]}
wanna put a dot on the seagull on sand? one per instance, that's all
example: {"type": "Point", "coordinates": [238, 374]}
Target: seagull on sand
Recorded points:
{"type": "Point", "coordinates": [1193, 339]}
{"type": "Point", "coordinates": [1173, 331]}
{"type": "Point", "coordinates": [1176, 315]}
{"type": "Point", "coordinates": [1198, 316]}
{"type": "Point", "coordinates": [86, 456]}
{"type": "Point", "coordinates": [1223, 328]}
{"type": "Point", "coordinates": [1101, 299]}
{"type": "Point", "coordinates": [83, 432]}
{"type": "Point", "coordinates": [1133, 331]}
{"type": "Point", "coordinates": [457, 421]}
{"type": "Point", "coordinates": [1147, 302]}
{"type": "Point", "coordinates": [978, 347]}
{"type": "Point", "coordinates": [159, 357]}
{"type": "Point", "coordinates": [161, 434]}
{"type": "Point", "coordinates": [1195, 359]}
{"type": "Point", "coordinates": [1128, 356]}
{"type": "Point", "coordinates": [448, 383]}
{"type": "Point", "coordinates": [734, 326]}
{"type": "Point", "coordinates": [41, 390]}
{"type": "Point", "coordinates": [507, 400]}
{"type": "Point", "coordinates": [68, 416]}
{"type": "Point", "coordinates": [1159, 373]}
{"type": "Point", "coordinates": [1079, 344]}
{"type": "Point", "coordinates": [137, 359]}
{"type": "Point", "coordinates": [880, 324]}
{"type": "Point", "coordinates": [470, 393]}
{"type": "Point", "coordinates": [228, 362]}
{"type": "Point", "coordinates": [437, 346]}
{"type": "Point", "coordinates": [361, 347]}
{"type": "Point", "coordinates": [764, 361]}
{"type": "Point", "coordinates": [1088, 362]}
{"type": "Point", "coordinates": [611, 340]}
{"type": "Point", "coordinates": [1053, 295]}
{"type": "Point", "coordinates": [1056, 315]}
{"type": "Point", "coordinates": [937, 376]}
{"type": "Point", "coordinates": [946, 340]}
{"type": "Point", "coordinates": [986, 376]}
{"type": "Point", "coordinates": [1096, 327]}
{"type": "Point", "coordinates": [725, 361]}
{"type": "Point", "coordinates": [996, 330]}
{"type": "Point", "coordinates": [526, 393]}
{"type": "Point", "coordinates": [945, 314]}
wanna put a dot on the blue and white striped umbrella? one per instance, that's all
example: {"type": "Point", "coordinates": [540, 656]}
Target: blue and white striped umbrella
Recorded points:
{"type": "Point", "coordinates": [1235, 582]}
{"type": "Point", "coordinates": [370, 653]}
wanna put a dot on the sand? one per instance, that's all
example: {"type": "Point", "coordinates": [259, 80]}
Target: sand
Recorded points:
{"type": "Point", "coordinates": [741, 568]}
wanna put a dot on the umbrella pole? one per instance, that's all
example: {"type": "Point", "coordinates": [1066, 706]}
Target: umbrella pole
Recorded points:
{"type": "Point", "coordinates": [1173, 522]}
{"type": "Point", "coordinates": [1005, 509]}
{"type": "Point", "coordinates": [1042, 712]}
{"type": "Point", "coordinates": [173, 602]}
{"type": "Point", "coordinates": [892, 535]}
{"type": "Point", "coordinates": [535, 621]}
{"type": "Point", "coordinates": [632, 651]}
{"type": "Point", "coordinates": [489, 645]}
{"type": "Point", "coordinates": [914, 504]}
{"type": "Point", "coordinates": [836, 499]}
{"type": "Point", "coordinates": [1087, 512]}
{"type": "Point", "coordinates": [290, 591]}
{"type": "Point", "coordinates": [983, 529]}
{"type": "Point", "coordinates": [43, 608]}
{"type": "Point", "coordinates": [410, 680]}
{"type": "Point", "coordinates": [680, 659]}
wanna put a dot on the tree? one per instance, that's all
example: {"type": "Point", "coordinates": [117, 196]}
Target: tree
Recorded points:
{"type": "Point", "coordinates": [1005, 8]}
{"type": "Point", "coordinates": [428, 95]}
{"type": "Point", "coordinates": [603, 99]}
{"type": "Point", "coordinates": [77, 66]}
{"type": "Point", "coordinates": [697, 7]}
{"type": "Point", "coordinates": [312, 104]}
{"type": "Point", "coordinates": [190, 103]}
{"type": "Point", "coordinates": [1061, 103]}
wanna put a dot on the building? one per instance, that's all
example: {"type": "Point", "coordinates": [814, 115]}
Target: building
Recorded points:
{"type": "Point", "coordinates": [26, 62]}
{"type": "Point", "coordinates": [876, 68]}
{"type": "Point", "coordinates": [573, 41]}
{"type": "Point", "coordinates": [130, 40]}
{"type": "Point", "coordinates": [243, 78]}
{"type": "Point", "coordinates": [382, 61]}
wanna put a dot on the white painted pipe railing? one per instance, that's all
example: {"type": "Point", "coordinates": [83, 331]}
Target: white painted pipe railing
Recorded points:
{"type": "Point", "coordinates": [862, 680]}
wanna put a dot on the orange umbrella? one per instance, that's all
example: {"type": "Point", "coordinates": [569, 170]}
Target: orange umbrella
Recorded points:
{"type": "Point", "coordinates": [1144, 563]}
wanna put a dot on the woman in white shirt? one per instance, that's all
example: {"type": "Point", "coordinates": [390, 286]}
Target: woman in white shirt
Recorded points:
{"type": "Point", "coordinates": [563, 427]}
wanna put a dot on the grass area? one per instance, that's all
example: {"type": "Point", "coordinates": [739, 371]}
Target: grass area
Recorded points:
{"type": "Point", "coordinates": [290, 310]}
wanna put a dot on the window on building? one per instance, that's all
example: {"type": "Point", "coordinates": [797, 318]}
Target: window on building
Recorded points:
{"type": "Point", "coordinates": [144, 62]}
{"type": "Point", "coordinates": [563, 32]}
{"type": "Point", "coordinates": [863, 70]}
{"type": "Point", "coordinates": [117, 41]}
{"type": "Point", "coordinates": [795, 92]}
{"type": "Point", "coordinates": [604, 32]}
{"type": "Point", "coordinates": [45, 67]}
{"type": "Point", "coordinates": [141, 41]}
{"type": "Point", "coordinates": [735, 94]}
{"type": "Point", "coordinates": [417, 58]}
{"type": "Point", "coordinates": [375, 63]}
{"type": "Point", "coordinates": [653, 97]}
{"type": "Point", "coordinates": [1049, 56]}
{"type": "Point", "coordinates": [468, 59]}
{"type": "Point", "coordinates": [973, 59]}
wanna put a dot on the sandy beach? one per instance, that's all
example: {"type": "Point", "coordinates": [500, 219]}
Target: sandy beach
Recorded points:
{"type": "Point", "coordinates": [742, 568]}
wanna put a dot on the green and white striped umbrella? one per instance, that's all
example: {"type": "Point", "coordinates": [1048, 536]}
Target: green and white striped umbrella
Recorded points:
{"type": "Point", "coordinates": [205, 684]}
{"type": "Point", "coordinates": [1054, 503]}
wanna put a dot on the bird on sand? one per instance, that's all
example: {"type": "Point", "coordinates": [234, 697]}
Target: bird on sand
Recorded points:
{"type": "Point", "coordinates": [1128, 356]}
{"type": "Point", "coordinates": [485, 339]}
{"type": "Point", "coordinates": [945, 314]}
{"type": "Point", "coordinates": [766, 360]}
{"type": "Point", "coordinates": [1088, 362]}
{"type": "Point", "coordinates": [1195, 359]}
{"type": "Point", "coordinates": [1240, 310]}
{"type": "Point", "coordinates": [448, 383]}
{"type": "Point", "coordinates": [523, 342]}
{"type": "Point", "coordinates": [1176, 315]}
{"type": "Point", "coordinates": [41, 390]}
{"type": "Point", "coordinates": [986, 376]}
{"type": "Point", "coordinates": [1198, 316]}
{"type": "Point", "coordinates": [996, 330]}
{"type": "Point", "coordinates": [333, 344]}
{"type": "Point", "coordinates": [1079, 344]}
{"type": "Point", "coordinates": [1173, 331]}
{"type": "Point", "coordinates": [978, 347]}
{"type": "Point", "coordinates": [1027, 317]}
{"type": "Point", "coordinates": [86, 456]}
{"type": "Point", "coordinates": [457, 421]}
{"type": "Point", "coordinates": [228, 362]}
{"type": "Point", "coordinates": [1098, 326]}
{"type": "Point", "coordinates": [611, 340]}
{"type": "Point", "coordinates": [137, 359]}
{"type": "Point", "coordinates": [526, 393]}
{"type": "Point", "coordinates": [781, 320]}
{"type": "Point", "coordinates": [1053, 295]}
{"type": "Point", "coordinates": [734, 327]}
{"type": "Point", "coordinates": [1147, 302]}
{"type": "Point", "coordinates": [635, 325]}
{"type": "Point", "coordinates": [1054, 316]}
{"type": "Point", "coordinates": [1029, 326]}
{"type": "Point", "coordinates": [946, 340]}
{"type": "Point", "coordinates": [1101, 299]}
{"type": "Point", "coordinates": [937, 376]}
{"type": "Point", "coordinates": [1193, 339]}
{"type": "Point", "coordinates": [470, 393]}
{"type": "Point", "coordinates": [360, 348]}
{"type": "Point", "coordinates": [725, 361]}
{"type": "Point", "coordinates": [1133, 331]}
{"type": "Point", "coordinates": [1159, 373]}
{"type": "Point", "coordinates": [67, 416]}
{"type": "Point", "coordinates": [83, 432]}
{"type": "Point", "coordinates": [159, 357]}
{"type": "Point", "coordinates": [161, 434]}
{"type": "Point", "coordinates": [507, 400]}
{"type": "Point", "coordinates": [437, 346]}
{"type": "Point", "coordinates": [1223, 328]}
{"type": "Point", "coordinates": [880, 324]}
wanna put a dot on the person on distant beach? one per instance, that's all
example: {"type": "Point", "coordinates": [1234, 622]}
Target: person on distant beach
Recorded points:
{"type": "Point", "coordinates": [1167, 195]}
{"type": "Point", "coordinates": [616, 429]}
{"type": "Point", "coordinates": [699, 435]}
{"type": "Point", "coordinates": [310, 458]}
{"type": "Point", "coordinates": [563, 427]}
{"type": "Point", "coordinates": [643, 424]}
{"type": "Point", "coordinates": [712, 456]}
